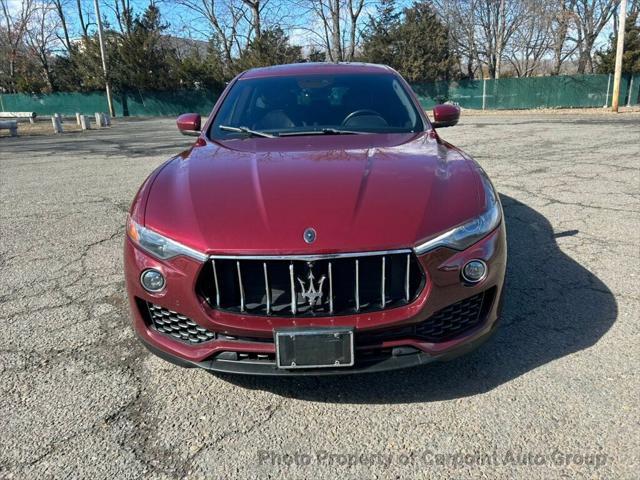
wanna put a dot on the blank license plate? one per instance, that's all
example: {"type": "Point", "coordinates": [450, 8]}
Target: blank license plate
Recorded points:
{"type": "Point", "coordinates": [317, 348]}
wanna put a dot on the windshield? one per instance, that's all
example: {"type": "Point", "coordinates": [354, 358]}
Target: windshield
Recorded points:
{"type": "Point", "coordinates": [316, 104]}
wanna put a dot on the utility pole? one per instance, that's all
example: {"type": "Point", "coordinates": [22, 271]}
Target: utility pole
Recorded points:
{"type": "Point", "coordinates": [619, 50]}
{"type": "Point", "coordinates": [104, 59]}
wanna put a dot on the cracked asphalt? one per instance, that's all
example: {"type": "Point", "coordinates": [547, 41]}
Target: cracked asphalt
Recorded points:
{"type": "Point", "coordinates": [553, 394]}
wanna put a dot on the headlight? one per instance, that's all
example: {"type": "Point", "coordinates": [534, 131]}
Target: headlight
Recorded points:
{"type": "Point", "coordinates": [161, 247]}
{"type": "Point", "coordinates": [469, 233]}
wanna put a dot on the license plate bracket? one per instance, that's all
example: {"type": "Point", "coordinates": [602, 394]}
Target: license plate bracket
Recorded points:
{"type": "Point", "coordinates": [314, 348]}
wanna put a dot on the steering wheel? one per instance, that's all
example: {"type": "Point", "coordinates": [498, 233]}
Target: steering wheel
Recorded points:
{"type": "Point", "coordinates": [358, 113]}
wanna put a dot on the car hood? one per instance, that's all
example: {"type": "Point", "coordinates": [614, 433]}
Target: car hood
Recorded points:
{"type": "Point", "coordinates": [359, 192]}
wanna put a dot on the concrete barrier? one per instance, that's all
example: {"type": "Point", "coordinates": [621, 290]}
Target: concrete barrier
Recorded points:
{"type": "Point", "coordinates": [30, 115]}
{"type": "Point", "coordinates": [11, 125]}
{"type": "Point", "coordinates": [85, 122]}
{"type": "Point", "coordinates": [56, 120]}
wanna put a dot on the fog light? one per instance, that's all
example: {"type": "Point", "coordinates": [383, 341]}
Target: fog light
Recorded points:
{"type": "Point", "coordinates": [474, 271]}
{"type": "Point", "coordinates": [152, 280]}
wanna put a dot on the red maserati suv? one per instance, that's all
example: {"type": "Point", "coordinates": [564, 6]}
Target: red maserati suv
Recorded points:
{"type": "Point", "coordinates": [318, 225]}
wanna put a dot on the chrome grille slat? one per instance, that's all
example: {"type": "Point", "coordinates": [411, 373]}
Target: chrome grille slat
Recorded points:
{"type": "Point", "coordinates": [267, 290]}
{"type": "Point", "coordinates": [240, 286]}
{"type": "Point", "coordinates": [293, 290]}
{"type": "Point", "coordinates": [382, 281]}
{"type": "Point", "coordinates": [215, 279]}
{"type": "Point", "coordinates": [406, 282]}
{"type": "Point", "coordinates": [330, 288]}
{"type": "Point", "coordinates": [296, 286]}
{"type": "Point", "coordinates": [357, 285]}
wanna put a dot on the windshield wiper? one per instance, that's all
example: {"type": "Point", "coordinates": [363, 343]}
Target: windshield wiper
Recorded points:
{"type": "Point", "coordinates": [248, 131]}
{"type": "Point", "coordinates": [323, 131]}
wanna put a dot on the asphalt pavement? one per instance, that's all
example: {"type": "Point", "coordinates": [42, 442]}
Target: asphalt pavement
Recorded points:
{"type": "Point", "coordinates": [553, 394]}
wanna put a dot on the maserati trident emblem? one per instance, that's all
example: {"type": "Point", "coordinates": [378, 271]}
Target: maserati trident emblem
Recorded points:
{"type": "Point", "coordinates": [309, 235]}
{"type": "Point", "coordinates": [311, 293]}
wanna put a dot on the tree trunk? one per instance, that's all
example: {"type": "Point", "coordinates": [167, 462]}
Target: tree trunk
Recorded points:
{"type": "Point", "coordinates": [83, 25]}
{"type": "Point", "coordinates": [254, 5]}
{"type": "Point", "coordinates": [336, 37]}
{"type": "Point", "coordinates": [352, 39]}
{"type": "Point", "coordinates": [585, 56]}
{"type": "Point", "coordinates": [12, 73]}
{"type": "Point", "coordinates": [63, 23]}
{"type": "Point", "coordinates": [354, 14]}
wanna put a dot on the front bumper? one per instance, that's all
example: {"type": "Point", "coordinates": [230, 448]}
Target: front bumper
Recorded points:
{"type": "Point", "coordinates": [404, 359]}
{"type": "Point", "coordinates": [245, 344]}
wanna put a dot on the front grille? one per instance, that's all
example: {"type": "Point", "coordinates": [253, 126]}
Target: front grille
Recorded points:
{"type": "Point", "coordinates": [445, 324]}
{"type": "Point", "coordinates": [312, 286]}
{"type": "Point", "coordinates": [178, 326]}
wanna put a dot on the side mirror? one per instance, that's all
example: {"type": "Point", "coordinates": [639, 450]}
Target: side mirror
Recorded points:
{"type": "Point", "coordinates": [189, 124]}
{"type": "Point", "coordinates": [445, 115]}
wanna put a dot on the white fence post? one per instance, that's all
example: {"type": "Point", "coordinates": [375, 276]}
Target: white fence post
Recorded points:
{"type": "Point", "coordinates": [484, 93]}
{"type": "Point", "coordinates": [57, 123]}
{"type": "Point", "coordinates": [78, 118]}
{"type": "Point", "coordinates": [630, 92]}
{"type": "Point", "coordinates": [606, 99]}
{"type": "Point", "coordinates": [99, 121]}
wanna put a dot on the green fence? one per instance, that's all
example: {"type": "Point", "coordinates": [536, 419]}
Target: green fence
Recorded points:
{"type": "Point", "coordinates": [125, 104]}
{"type": "Point", "coordinates": [571, 91]}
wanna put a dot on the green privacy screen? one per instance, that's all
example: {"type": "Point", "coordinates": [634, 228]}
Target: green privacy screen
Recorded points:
{"type": "Point", "coordinates": [571, 91]}
{"type": "Point", "coordinates": [135, 104]}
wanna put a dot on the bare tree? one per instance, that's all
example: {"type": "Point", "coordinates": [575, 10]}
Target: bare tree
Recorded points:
{"type": "Point", "coordinates": [83, 24]}
{"type": "Point", "coordinates": [591, 16]}
{"type": "Point", "coordinates": [481, 29]}
{"type": "Point", "coordinates": [15, 22]}
{"type": "Point", "coordinates": [562, 22]}
{"type": "Point", "coordinates": [59, 6]}
{"type": "Point", "coordinates": [339, 24]}
{"type": "Point", "coordinates": [41, 36]}
{"type": "Point", "coordinates": [459, 17]}
{"type": "Point", "coordinates": [222, 20]}
{"type": "Point", "coordinates": [355, 9]}
{"type": "Point", "coordinates": [256, 11]}
{"type": "Point", "coordinates": [498, 20]}
{"type": "Point", "coordinates": [532, 40]}
{"type": "Point", "coordinates": [123, 11]}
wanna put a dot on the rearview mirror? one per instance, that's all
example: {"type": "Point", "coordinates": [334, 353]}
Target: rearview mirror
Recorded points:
{"type": "Point", "coordinates": [445, 115]}
{"type": "Point", "coordinates": [189, 124]}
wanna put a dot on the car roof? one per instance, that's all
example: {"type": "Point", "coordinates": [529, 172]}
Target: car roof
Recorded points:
{"type": "Point", "coordinates": [310, 68]}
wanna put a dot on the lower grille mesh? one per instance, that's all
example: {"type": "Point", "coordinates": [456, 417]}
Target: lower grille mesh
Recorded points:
{"type": "Point", "coordinates": [452, 320]}
{"type": "Point", "coordinates": [178, 326]}
{"type": "Point", "coordinates": [443, 325]}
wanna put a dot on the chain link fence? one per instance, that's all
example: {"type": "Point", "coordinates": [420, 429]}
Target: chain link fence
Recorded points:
{"type": "Point", "coordinates": [570, 91]}
{"type": "Point", "coordinates": [125, 104]}
{"type": "Point", "coordinates": [567, 91]}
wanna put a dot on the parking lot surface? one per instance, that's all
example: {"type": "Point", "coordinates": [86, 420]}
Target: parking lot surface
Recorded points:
{"type": "Point", "coordinates": [553, 394]}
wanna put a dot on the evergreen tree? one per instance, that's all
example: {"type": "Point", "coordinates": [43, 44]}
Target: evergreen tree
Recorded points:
{"type": "Point", "coordinates": [271, 48]}
{"type": "Point", "coordinates": [631, 54]}
{"type": "Point", "coordinates": [379, 37]}
{"type": "Point", "coordinates": [141, 59]}
{"type": "Point", "coordinates": [415, 43]}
